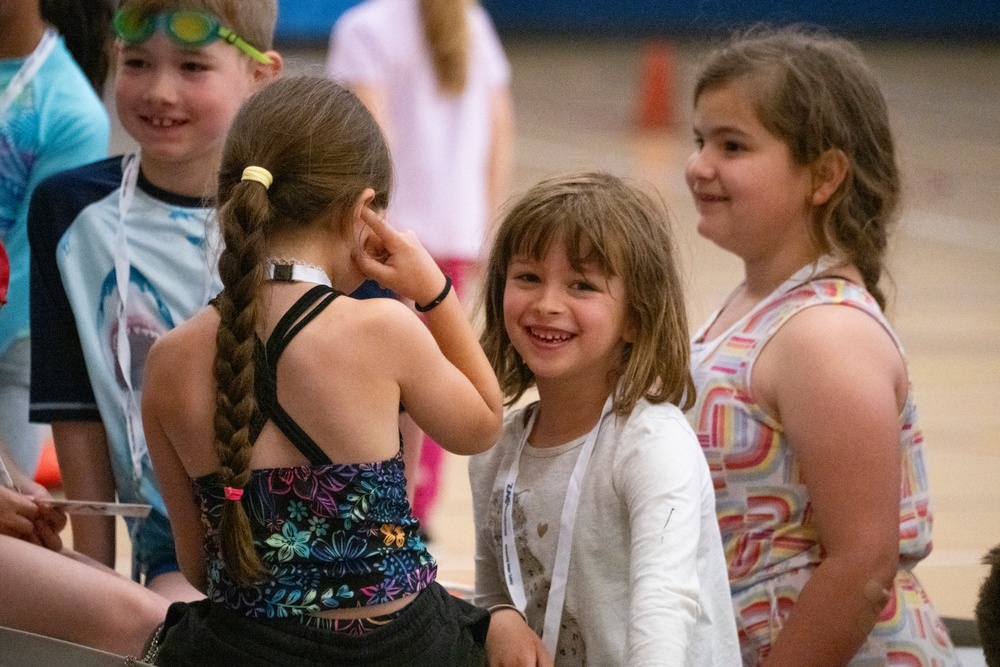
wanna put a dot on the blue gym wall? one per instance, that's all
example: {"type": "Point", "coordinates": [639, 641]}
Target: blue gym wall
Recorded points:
{"type": "Point", "coordinates": [310, 20]}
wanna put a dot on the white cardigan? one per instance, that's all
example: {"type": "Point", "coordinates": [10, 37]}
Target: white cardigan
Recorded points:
{"type": "Point", "coordinates": [647, 582]}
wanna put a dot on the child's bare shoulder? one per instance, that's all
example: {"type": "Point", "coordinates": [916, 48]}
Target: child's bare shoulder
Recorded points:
{"type": "Point", "coordinates": [383, 317]}
{"type": "Point", "coordinates": [188, 338]}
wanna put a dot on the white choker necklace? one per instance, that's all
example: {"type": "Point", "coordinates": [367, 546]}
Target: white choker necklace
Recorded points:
{"type": "Point", "coordinates": [288, 270]}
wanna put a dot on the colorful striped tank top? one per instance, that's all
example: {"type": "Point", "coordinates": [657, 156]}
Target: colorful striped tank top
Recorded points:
{"type": "Point", "coordinates": [770, 537]}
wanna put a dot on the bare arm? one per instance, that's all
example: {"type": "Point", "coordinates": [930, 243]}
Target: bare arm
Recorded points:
{"type": "Point", "coordinates": [834, 380]}
{"type": "Point", "coordinates": [85, 467]}
{"type": "Point", "coordinates": [413, 443]}
{"type": "Point", "coordinates": [173, 479]}
{"type": "Point", "coordinates": [458, 403]}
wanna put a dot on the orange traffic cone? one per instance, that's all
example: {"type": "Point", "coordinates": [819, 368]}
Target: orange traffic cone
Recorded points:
{"type": "Point", "coordinates": [47, 474]}
{"type": "Point", "coordinates": [656, 87]}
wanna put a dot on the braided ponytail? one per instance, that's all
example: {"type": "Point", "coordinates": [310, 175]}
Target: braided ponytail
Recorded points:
{"type": "Point", "coordinates": [241, 267]}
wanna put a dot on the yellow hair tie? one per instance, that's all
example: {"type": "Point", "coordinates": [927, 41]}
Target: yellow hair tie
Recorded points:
{"type": "Point", "coordinates": [259, 174]}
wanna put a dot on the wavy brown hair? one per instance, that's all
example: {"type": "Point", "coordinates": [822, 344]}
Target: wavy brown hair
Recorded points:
{"type": "Point", "coordinates": [601, 219]}
{"type": "Point", "coordinates": [323, 149]}
{"type": "Point", "coordinates": [816, 92]}
{"type": "Point", "coordinates": [446, 32]}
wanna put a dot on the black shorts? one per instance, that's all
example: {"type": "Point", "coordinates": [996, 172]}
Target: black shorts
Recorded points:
{"type": "Point", "coordinates": [435, 630]}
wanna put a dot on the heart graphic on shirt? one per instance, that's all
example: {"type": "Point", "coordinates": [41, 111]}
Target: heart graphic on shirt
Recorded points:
{"type": "Point", "coordinates": [542, 529]}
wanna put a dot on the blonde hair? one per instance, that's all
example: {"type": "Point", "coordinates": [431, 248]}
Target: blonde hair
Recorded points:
{"type": "Point", "coordinates": [601, 219]}
{"type": "Point", "coordinates": [252, 20]}
{"type": "Point", "coordinates": [323, 149]}
{"type": "Point", "coordinates": [815, 92]}
{"type": "Point", "coordinates": [446, 32]}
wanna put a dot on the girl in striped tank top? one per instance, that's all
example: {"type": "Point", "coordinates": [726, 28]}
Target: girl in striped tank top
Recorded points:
{"type": "Point", "coordinates": [805, 411]}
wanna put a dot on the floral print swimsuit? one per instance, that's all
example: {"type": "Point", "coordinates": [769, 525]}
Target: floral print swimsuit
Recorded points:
{"type": "Point", "coordinates": [332, 536]}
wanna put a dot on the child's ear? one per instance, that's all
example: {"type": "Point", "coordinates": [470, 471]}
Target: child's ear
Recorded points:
{"type": "Point", "coordinates": [116, 55]}
{"type": "Point", "coordinates": [366, 197]}
{"type": "Point", "coordinates": [265, 73]}
{"type": "Point", "coordinates": [828, 172]}
{"type": "Point", "coordinates": [366, 237]}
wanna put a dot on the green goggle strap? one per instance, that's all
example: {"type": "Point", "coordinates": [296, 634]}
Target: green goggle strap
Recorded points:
{"type": "Point", "coordinates": [135, 32]}
{"type": "Point", "coordinates": [231, 37]}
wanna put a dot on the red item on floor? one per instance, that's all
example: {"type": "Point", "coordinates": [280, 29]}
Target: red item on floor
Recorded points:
{"type": "Point", "coordinates": [47, 473]}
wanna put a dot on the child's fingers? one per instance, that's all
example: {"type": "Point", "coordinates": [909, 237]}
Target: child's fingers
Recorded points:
{"type": "Point", "coordinates": [371, 267]}
{"type": "Point", "coordinates": [17, 526]}
{"type": "Point", "coordinates": [48, 537]}
{"type": "Point", "coordinates": [12, 502]}
{"type": "Point", "coordinates": [52, 517]}
{"type": "Point", "coordinates": [379, 226]}
{"type": "Point", "coordinates": [372, 246]}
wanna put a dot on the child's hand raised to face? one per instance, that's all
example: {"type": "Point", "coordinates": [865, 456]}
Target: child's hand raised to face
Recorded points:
{"type": "Point", "coordinates": [397, 260]}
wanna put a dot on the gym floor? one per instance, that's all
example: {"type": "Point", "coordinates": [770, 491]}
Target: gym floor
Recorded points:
{"type": "Point", "coordinates": [576, 105]}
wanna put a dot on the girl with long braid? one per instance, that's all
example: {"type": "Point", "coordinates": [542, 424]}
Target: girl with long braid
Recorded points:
{"type": "Point", "coordinates": [272, 416]}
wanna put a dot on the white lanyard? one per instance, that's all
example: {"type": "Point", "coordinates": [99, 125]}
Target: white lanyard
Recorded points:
{"type": "Point", "coordinates": [5, 480]}
{"type": "Point", "coordinates": [567, 523]}
{"type": "Point", "coordinates": [29, 68]}
{"type": "Point", "coordinates": [123, 269]}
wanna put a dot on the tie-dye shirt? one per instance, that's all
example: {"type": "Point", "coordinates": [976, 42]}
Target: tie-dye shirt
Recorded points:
{"type": "Point", "coordinates": [57, 122]}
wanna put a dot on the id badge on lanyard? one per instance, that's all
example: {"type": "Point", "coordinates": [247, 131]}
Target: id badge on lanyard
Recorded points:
{"type": "Point", "coordinates": [123, 270]}
{"type": "Point", "coordinates": [567, 524]}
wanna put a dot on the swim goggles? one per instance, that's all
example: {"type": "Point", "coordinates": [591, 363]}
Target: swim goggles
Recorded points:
{"type": "Point", "coordinates": [186, 27]}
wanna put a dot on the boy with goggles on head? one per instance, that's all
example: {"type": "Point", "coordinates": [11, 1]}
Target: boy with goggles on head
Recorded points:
{"type": "Point", "coordinates": [125, 249]}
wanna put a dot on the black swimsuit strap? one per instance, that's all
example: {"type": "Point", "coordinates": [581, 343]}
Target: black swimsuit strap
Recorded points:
{"type": "Point", "coordinates": [296, 318]}
{"type": "Point", "coordinates": [302, 312]}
